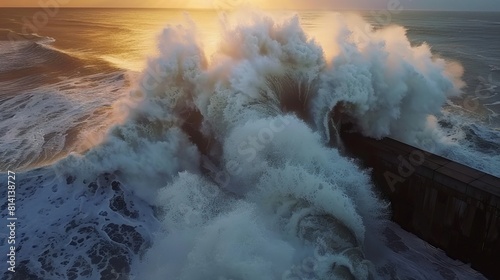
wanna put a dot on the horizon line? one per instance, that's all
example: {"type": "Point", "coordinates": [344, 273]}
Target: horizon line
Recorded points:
{"type": "Point", "coordinates": [268, 9]}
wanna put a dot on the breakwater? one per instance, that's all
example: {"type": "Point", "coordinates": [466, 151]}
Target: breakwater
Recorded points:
{"type": "Point", "coordinates": [449, 205]}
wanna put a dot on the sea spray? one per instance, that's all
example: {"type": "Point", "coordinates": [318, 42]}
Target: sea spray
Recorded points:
{"type": "Point", "coordinates": [289, 180]}
{"type": "Point", "coordinates": [310, 202]}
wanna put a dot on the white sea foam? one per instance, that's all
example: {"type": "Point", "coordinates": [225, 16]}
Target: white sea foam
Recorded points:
{"type": "Point", "coordinates": [40, 126]}
{"type": "Point", "coordinates": [289, 207]}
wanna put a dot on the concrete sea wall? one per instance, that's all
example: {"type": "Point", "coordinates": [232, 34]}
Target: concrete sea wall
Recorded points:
{"type": "Point", "coordinates": [449, 205]}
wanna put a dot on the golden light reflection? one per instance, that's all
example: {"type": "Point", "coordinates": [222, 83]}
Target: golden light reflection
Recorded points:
{"type": "Point", "coordinates": [178, 4]}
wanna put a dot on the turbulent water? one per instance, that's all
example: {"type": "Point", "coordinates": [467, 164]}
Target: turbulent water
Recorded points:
{"type": "Point", "coordinates": [211, 159]}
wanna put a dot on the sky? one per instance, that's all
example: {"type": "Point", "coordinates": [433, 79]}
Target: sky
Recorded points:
{"type": "Point", "coordinates": [465, 5]}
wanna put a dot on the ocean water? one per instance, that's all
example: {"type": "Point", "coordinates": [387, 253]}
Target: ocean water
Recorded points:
{"type": "Point", "coordinates": [160, 144]}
